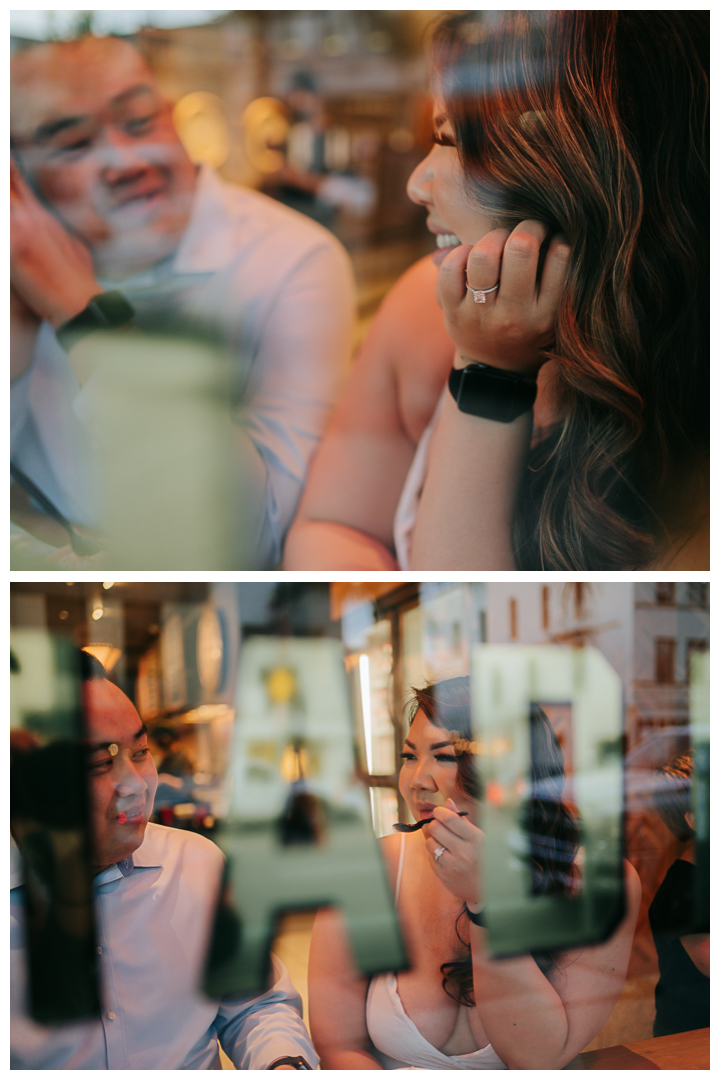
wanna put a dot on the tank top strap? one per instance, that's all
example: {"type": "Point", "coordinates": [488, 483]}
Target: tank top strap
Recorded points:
{"type": "Point", "coordinates": [401, 860]}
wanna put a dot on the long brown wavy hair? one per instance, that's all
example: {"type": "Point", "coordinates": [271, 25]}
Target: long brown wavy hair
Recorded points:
{"type": "Point", "coordinates": [551, 827]}
{"type": "Point", "coordinates": [596, 122]}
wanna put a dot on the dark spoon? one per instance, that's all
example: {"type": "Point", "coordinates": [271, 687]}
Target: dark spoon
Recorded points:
{"type": "Point", "coordinates": [419, 824]}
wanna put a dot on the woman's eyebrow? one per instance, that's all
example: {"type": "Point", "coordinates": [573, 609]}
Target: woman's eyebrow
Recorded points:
{"type": "Point", "coordinates": [439, 745]}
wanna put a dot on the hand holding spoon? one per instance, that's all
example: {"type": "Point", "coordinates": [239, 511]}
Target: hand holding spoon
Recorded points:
{"type": "Point", "coordinates": [419, 824]}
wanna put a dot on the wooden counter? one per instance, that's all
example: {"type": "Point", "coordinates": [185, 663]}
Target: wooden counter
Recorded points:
{"type": "Point", "coordinates": [686, 1050]}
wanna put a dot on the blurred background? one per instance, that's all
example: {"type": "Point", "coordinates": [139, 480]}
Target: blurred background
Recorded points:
{"type": "Point", "coordinates": [174, 648]}
{"type": "Point", "coordinates": [327, 111]}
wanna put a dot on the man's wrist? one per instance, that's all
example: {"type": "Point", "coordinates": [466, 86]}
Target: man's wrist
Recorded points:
{"type": "Point", "coordinates": [68, 307]}
{"type": "Point", "coordinates": [289, 1062]}
{"type": "Point", "coordinates": [104, 311]}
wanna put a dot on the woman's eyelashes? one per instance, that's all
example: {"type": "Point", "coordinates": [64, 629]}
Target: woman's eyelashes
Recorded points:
{"type": "Point", "coordinates": [407, 756]}
{"type": "Point", "coordinates": [442, 139]}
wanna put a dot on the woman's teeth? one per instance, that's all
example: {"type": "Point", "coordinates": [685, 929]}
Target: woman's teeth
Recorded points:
{"type": "Point", "coordinates": [446, 239]}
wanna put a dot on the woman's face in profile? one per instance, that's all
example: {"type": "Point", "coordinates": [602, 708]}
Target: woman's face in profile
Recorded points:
{"type": "Point", "coordinates": [438, 183]}
{"type": "Point", "coordinates": [429, 773]}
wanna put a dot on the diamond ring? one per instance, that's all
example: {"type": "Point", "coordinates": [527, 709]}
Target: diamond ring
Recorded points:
{"type": "Point", "coordinates": [480, 294]}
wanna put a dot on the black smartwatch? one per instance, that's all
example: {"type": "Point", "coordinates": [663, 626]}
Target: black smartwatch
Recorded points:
{"type": "Point", "coordinates": [296, 1062]}
{"type": "Point", "coordinates": [477, 917]}
{"type": "Point", "coordinates": [491, 393]}
{"type": "Point", "coordinates": [107, 311]}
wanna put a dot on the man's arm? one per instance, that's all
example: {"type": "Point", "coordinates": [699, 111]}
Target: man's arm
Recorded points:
{"type": "Point", "coordinates": [257, 1032]}
{"type": "Point", "coordinates": [346, 516]}
{"type": "Point", "coordinates": [297, 374]}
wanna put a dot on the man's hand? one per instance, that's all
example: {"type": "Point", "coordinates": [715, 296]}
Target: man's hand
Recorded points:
{"type": "Point", "coordinates": [24, 326]}
{"type": "Point", "coordinates": [50, 270]}
{"type": "Point", "coordinates": [509, 327]}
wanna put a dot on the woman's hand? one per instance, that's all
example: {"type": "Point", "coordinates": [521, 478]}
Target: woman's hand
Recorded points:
{"type": "Point", "coordinates": [512, 324]}
{"type": "Point", "coordinates": [458, 867]}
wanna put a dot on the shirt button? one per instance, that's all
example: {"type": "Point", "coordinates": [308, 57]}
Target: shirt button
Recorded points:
{"type": "Point", "coordinates": [111, 1015]}
{"type": "Point", "coordinates": [98, 950]}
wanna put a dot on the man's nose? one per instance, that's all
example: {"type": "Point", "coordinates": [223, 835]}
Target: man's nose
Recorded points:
{"type": "Point", "coordinates": [419, 186]}
{"type": "Point", "coordinates": [119, 155]}
{"type": "Point", "coordinates": [130, 780]}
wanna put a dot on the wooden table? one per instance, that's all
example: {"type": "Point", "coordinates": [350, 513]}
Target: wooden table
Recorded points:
{"type": "Point", "coordinates": [686, 1050]}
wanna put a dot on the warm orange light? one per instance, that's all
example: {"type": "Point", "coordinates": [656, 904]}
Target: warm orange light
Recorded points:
{"type": "Point", "coordinates": [108, 655]}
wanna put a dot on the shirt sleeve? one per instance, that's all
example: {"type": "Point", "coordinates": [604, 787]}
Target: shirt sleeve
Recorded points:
{"type": "Point", "coordinates": [296, 377]}
{"type": "Point", "coordinates": [256, 1032]}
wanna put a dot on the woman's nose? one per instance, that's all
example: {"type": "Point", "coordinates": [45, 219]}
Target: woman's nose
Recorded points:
{"type": "Point", "coordinates": [422, 777]}
{"type": "Point", "coordinates": [419, 186]}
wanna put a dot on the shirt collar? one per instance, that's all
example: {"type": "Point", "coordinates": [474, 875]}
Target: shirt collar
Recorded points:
{"type": "Point", "coordinates": [147, 855]}
{"type": "Point", "coordinates": [204, 247]}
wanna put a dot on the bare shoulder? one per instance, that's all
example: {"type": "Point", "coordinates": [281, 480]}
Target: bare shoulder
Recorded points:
{"type": "Point", "coordinates": [633, 891]}
{"type": "Point", "coordinates": [408, 337]}
{"type": "Point", "coordinates": [412, 300]}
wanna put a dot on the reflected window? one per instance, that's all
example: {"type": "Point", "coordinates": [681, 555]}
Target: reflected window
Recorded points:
{"type": "Point", "coordinates": [665, 660]}
{"type": "Point", "coordinates": [698, 593]}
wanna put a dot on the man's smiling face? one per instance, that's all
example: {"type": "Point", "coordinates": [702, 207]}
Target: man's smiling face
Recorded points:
{"type": "Point", "coordinates": [122, 774]}
{"type": "Point", "coordinates": [95, 137]}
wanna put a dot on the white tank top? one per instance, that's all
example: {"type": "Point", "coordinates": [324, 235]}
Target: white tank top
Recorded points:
{"type": "Point", "coordinates": [396, 1040]}
{"type": "Point", "coordinates": [407, 507]}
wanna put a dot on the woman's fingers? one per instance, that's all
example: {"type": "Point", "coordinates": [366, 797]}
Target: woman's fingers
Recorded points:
{"type": "Point", "coordinates": [518, 282]}
{"type": "Point", "coordinates": [450, 286]}
{"type": "Point", "coordinates": [554, 275]}
{"type": "Point", "coordinates": [449, 831]}
{"type": "Point", "coordinates": [483, 264]}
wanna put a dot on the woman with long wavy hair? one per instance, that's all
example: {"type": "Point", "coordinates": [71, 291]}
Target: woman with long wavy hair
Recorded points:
{"type": "Point", "coordinates": [569, 192]}
{"type": "Point", "coordinates": [456, 1007]}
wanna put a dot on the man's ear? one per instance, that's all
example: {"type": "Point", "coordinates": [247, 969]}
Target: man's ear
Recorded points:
{"type": "Point", "coordinates": [690, 819]}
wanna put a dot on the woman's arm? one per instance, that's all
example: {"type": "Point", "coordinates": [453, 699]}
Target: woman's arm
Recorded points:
{"type": "Point", "coordinates": [337, 995]}
{"type": "Point", "coordinates": [345, 519]}
{"type": "Point", "coordinates": [466, 509]}
{"type": "Point", "coordinates": [534, 1022]}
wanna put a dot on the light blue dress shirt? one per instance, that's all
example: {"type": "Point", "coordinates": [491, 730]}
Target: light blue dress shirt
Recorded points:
{"type": "Point", "coordinates": [153, 917]}
{"type": "Point", "coordinates": [279, 289]}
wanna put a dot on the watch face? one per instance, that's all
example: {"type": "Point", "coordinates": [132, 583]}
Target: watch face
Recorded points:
{"type": "Point", "coordinates": [493, 395]}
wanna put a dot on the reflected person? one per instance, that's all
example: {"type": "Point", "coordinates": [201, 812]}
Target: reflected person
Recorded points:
{"type": "Point", "coordinates": [457, 1007]}
{"type": "Point", "coordinates": [155, 891]}
{"type": "Point", "coordinates": [682, 993]}
{"type": "Point", "coordinates": [104, 197]}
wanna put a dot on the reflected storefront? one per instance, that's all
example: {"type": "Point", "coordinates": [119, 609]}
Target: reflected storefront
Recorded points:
{"type": "Point", "coordinates": [278, 721]}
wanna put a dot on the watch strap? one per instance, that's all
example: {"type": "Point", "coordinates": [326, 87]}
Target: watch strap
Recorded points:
{"type": "Point", "coordinates": [296, 1062]}
{"type": "Point", "coordinates": [106, 311]}
{"type": "Point", "coordinates": [491, 393]}
{"type": "Point", "coordinates": [477, 917]}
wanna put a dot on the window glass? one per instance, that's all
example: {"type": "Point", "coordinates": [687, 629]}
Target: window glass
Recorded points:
{"type": "Point", "coordinates": [276, 711]}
